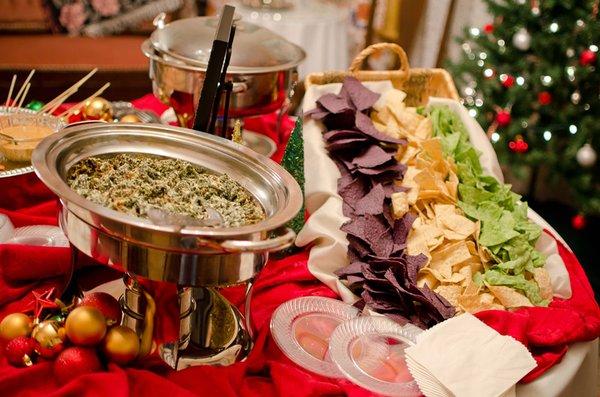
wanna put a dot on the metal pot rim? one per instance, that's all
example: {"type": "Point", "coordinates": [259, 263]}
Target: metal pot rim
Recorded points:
{"type": "Point", "coordinates": [157, 55]}
{"type": "Point", "coordinates": [44, 162]}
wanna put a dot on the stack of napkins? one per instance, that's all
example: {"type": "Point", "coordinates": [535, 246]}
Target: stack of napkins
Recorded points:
{"type": "Point", "coordinates": [463, 357]}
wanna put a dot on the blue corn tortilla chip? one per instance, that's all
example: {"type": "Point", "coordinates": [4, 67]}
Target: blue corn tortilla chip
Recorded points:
{"type": "Point", "coordinates": [353, 268]}
{"type": "Point", "coordinates": [333, 103]}
{"type": "Point", "coordinates": [342, 134]}
{"type": "Point", "coordinates": [317, 113]}
{"type": "Point", "coordinates": [402, 226]}
{"type": "Point", "coordinates": [393, 168]}
{"type": "Point", "coordinates": [340, 121]}
{"type": "Point", "coordinates": [353, 192]}
{"type": "Point", "coordinates": [371, 203]}
{"type": "Point", "coordinates": [347, 143]}
{"type": "Point", "coordinates": [374, 156]}
{"type": "Point", "coordinates": [362, 97]}
{"type": "Point", "coordinates": [364, 124]}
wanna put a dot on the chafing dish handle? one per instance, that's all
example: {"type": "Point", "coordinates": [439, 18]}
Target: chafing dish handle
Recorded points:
{"type": "Point", "coordinates": [278, 243]}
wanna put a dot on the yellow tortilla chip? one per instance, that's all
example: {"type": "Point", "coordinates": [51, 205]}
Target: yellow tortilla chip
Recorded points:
{"type": "Point", "coordinates": [422, 237]}
{"type": "Point", "coordinates": [452, 184]}
{"type": "Point", "coordinates": [468, 274]}
{"type": "Point", "coordinates": [453, 253]}
{"type": "Point", "coordinates": [424, 129]}
{"type": "Point", "coordinates": [450, 293]}
{"type": "Point", "coordinates": [407, 118]}
{"type": "Point", "coordinates": [542, 278]}
{"type": "Point", "coordinates": [472, 289]}
{"type": "Point", "coordinates": [477, 303]}
{"type": "Point", "coordinates": [427, 279]}
{"type": "Point", "coordinates": [392, 98]}
{"type": "Point", "coordinates": [399, 204]}
{"type": "Point", "coordinates": [508, 297]}
{"type": "Point", "coordinates": [459, 225]}
{"type": "Point", "coordinates": [409, 152]}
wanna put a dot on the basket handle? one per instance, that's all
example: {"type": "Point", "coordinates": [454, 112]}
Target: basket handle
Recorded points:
{"type": "Point", "coordinates": [356, 64]}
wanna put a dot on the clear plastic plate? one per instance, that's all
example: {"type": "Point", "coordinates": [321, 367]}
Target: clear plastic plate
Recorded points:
{"type": "Point", "coordinates": [369, 351]}
{"type": "Point", "coordinates": [302, 327]}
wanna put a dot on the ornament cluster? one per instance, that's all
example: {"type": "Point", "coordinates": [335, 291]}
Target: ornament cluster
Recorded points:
{"type": "Point", "coordinates": [79, 338]}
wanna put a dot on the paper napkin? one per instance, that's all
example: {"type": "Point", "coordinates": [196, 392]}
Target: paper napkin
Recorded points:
{"type": "Point", "coordinates": [463, 357]}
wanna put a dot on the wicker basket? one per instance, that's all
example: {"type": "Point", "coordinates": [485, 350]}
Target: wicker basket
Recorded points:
{"type": "Point", "coordinates": [419, 84]}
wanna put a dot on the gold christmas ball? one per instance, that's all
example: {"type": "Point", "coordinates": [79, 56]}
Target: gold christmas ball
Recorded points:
{"type": "Point", "coordinates": [130, 118]}
{"type": "Point", "coordinates": [121, 345]}
{"type": "Point", "coordinates": [98, 109]}
{"type": "Point", "coordinates": [85, 326]}
{"type": "Point", "coordinates": [49, 333]}
{"type": "Point", "coordinates": [14, 325]}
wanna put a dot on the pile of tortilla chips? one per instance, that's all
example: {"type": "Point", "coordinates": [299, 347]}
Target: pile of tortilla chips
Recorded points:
{"type": "Point", "coordinates": [380, 269]}
{"type": "Point", "coordinates": [479, 247]}
{"type": "Point", "coordinates": [421, 247]}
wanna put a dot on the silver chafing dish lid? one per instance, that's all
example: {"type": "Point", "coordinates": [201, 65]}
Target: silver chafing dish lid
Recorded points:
{"type": "Point", "coordinates": [255, 49]}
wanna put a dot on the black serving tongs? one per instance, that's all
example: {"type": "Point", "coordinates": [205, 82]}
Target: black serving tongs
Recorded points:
{"type": "Point", "coordinates": [214, 81]}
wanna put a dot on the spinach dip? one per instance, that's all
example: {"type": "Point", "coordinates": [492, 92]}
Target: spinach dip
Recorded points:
{"type": "Point", "coordinates": [140, 185]}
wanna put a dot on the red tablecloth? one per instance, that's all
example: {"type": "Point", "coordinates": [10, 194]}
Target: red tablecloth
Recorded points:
{"type": "Point", "coordinates": [267, 372]}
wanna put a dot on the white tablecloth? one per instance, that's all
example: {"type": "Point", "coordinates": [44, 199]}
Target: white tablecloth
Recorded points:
{"type": "Point", "coordinates": [321, 29]}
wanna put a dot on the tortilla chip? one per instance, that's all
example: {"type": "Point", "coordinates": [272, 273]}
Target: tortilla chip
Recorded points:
{"type": "Point", "coordinates": [459, 225]}
{"type": "Point", "coordinates": [424, 129]}
{"type": "Point", "coordinates": [405, 117]}
{"type": "Point", "coordinates": [399, 204]}
{"type": "Point", "coordinates": [477, 303]}
{"type": "Point", "coordinates": [453, 253]}
{"type": "Point", "coordinates": [393, 98]}
{"type": "Point", "coordinates": [509, 297]}
{"type": "Point", "coordinates": [450, 293]}
{"type": "Point", "coordinates": [542, 278]}
{"type": "Point", "coordinates": [423, 237]}
{"type": "Point", "coordinates": [427, 279]}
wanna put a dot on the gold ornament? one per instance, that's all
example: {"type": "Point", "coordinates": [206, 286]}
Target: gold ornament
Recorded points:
{"type": "Point", "coordinates": [85, 326]}
{"type": "Point", "coordinates": [14, 325]}
{"type": "Point", "coordinates": [121, 345]}
{"type": "Point", "coordinates": [130, 118]}
{"type": "Point", "coordinates": [98, 109]}
{"type": "Point", "coordinates": [49, 333]}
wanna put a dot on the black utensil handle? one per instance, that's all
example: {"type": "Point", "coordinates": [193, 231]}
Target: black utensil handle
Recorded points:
{"type": "Point", "coordinates": [210, 86]}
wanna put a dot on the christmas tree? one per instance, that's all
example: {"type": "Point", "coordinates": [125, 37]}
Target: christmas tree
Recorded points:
{"type": "Point", "coordinates": [530, 77]}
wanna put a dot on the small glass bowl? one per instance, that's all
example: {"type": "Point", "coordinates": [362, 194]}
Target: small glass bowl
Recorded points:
{"type": "Point", "coordinates": [22, 129]}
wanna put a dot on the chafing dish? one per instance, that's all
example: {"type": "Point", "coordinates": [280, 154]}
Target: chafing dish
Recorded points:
{"type": "Point", "coordinates": [199, 257]}
{"type": "Point", "coordinates": [262, 67]}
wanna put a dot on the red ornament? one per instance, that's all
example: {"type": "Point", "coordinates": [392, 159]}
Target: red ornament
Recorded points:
{"type": "Point", "coordinates": [19, 351]}
{"type": "Point", "coordinates": [503, 118]}
{"type": "Point", "coordinates": [518, 145]}
{"type": "Point", "coordinates": [106, 303]}
{"type": "Point", "coordinates": [488, 28]}
{"type": "Point", "coordinates": [544, 98]}
{"type": "Point", "coordinates": [75, 361]}
{"type": "Point", "coordinates": [587, 57]}
{"type": "Point", "coordinates": [508, 81]}
{"type": "Point", "coordinates": [578, 222]}
{"type": "Point", "coordinates": [49, 352]}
